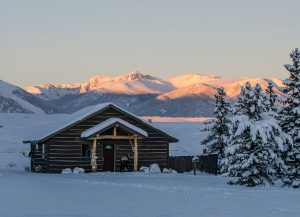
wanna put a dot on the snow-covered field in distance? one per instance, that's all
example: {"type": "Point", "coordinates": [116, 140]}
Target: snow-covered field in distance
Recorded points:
{"type": "Point", "coordinates": [16, 128]}
{"type": "Point", "coordinates": [186, 129]}
{"type": "Point", "coordinates": [189, 135]}
{"type": "Point", "coordinates": [174, 119]}
{"type": "Point", "coordinates": [138, 195]}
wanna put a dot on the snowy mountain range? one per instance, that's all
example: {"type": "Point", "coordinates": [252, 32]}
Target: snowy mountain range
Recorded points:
{"type": "Point", "coordinates": [190, 94]}
{"type": "Point", "coordinates": [14, 99]}
{"type": "Point", "coordinates": [133, 83]}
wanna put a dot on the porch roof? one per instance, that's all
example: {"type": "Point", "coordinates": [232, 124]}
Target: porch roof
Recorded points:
{"type": "Point", "coordinates": [107, 124]}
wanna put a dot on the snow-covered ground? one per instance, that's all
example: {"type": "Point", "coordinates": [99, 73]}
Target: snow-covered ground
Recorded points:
{"type": "Point", "coordinates": [127, 194]}
{"type": "Point", "coordinates": [138, 195]}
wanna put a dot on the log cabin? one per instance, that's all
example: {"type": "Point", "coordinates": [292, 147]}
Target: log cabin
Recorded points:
{"type": "Point", "coordinates": [96, 139]}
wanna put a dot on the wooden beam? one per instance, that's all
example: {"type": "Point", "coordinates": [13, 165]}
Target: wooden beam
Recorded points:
{"type": "Point", "coordinates": [94, 157]}
{"type": "Point", "coordinates": [115, 131]}
{"type": "Point", "coordinates": [113, 137]}
{"type": "Point", "coordinates": [135, 155]}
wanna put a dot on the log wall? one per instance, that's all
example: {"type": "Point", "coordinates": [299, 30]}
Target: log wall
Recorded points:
{"type": "Point", "coordinates": [64, 150]}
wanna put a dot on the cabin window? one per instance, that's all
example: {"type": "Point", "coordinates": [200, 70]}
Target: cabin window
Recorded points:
{"type": "Point", "coordinates": [85, 150]}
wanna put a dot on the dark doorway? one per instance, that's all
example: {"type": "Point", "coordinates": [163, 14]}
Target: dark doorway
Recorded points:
{"type": "Point", "coordinates": [108, 156]}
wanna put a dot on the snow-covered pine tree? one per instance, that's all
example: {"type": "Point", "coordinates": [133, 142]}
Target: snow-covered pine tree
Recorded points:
{"type": "Point", "coordinates": [241, 106]}
{"type": "Point", "coordinates": [271, 98]}
{"type": "Point", "coordinates": [290, 119]}
{"type": "Point", "coordinates": [255, 135]}
{"type": "Point", "coordinates": [271, 102]}
{"type": "Point", "coordinates": [218, 135]}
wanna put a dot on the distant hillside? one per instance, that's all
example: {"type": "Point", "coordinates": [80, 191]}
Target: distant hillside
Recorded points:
{"type": "Point", "coordinates": [16, 100]}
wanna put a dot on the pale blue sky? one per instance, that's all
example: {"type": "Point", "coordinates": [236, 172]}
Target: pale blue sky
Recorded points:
{"type": "Point", "coordinates": [70, 41]}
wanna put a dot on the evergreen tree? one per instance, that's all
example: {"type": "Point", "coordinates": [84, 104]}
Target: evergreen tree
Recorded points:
{"type": "Point", "coordinates": [255, 135]}
{"type": "Point", "coordinates": [218, 135]}
{"type": "Point", "coordinates": [271, 98]}
{"type": "Point", "coordinates": [241, 107]}
{"type": "Point", "coordinates": [271, 102]}
{"type": "Point", "coordinates": [290, 119]}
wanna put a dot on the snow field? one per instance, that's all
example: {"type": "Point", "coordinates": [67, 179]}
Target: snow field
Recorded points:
{"type": "Point", "coordinates": [138, 194]}
{"type": "Point", "coordinates": [127, 194]}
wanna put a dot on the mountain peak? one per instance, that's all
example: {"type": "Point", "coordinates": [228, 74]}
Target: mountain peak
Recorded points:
{"type": "Point", "coordinates": [98, 79]}
{"type": "Point", "coordinates": [133, 75]}
{"type": "Point", "coordinates": [191, 78]}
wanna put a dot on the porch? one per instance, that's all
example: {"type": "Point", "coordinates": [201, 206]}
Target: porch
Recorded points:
{"type": "Point", "coordinates": [111, 141]}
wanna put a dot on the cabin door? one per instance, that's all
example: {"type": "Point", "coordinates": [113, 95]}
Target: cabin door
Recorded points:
{"type": "Point", "coordinates": [108, 156]}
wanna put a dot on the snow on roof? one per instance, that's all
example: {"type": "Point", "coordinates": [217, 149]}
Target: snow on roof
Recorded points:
{"type": "Point", "coordinates": [109, 122]}
{"type": "Point", "coordinates": [72, 119]}
{"type": "Point", "coordinates": [42, 133]}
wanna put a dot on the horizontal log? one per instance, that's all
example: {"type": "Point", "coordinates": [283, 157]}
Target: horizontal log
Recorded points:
{"type": "Point", "coordinates": [67, 139]}
{"type": "Point", "coordinates": [67, 142]}
{"type": "Point", "coordinates": [149, 154]}
{"type": "Point", "coordinates": [143, 160]}
{"type": "Point", "coordinates": [75, 158]}
{"type": "Point", "coordinates": [154, 150]}
{"type": "Point", "coordinates": [68, 165]}
{"type": "Point", "coordinates": [152, 158]}
{"type": "Point", "coordinates": [39, 162]}
{"type": "Point", "coordinates": [40, 159]}
{"type": "Point", "coordinates": [65, 155]}
{"type": "Point", "coordinates": [36, 158]}
{"type": "Point", "coordinates": [67, 151]}
{"type": "Point", "coordinates": [65, 146]}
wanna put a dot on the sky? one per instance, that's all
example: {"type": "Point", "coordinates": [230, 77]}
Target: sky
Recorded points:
{"type": "Point", "coordinates": [64, 41]}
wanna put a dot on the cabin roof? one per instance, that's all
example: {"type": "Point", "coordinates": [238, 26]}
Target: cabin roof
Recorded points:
{"type": "Point", "coordinates": [110, 123]}
{"type": "Point", "coordinates": [84, 114]}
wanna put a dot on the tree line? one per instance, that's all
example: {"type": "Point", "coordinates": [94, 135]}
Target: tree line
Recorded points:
{"type": "Point", "coordinates": [257, 139]}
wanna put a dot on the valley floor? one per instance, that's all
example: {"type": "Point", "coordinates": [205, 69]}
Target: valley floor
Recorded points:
{"type": "Point", "coordinates": [138, 195]}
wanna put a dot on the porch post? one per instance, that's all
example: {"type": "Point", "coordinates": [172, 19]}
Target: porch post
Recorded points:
{"type": "Point", "coordinates": [135, 155]}
{"type": "Point", "coordinates": [94, 157]}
